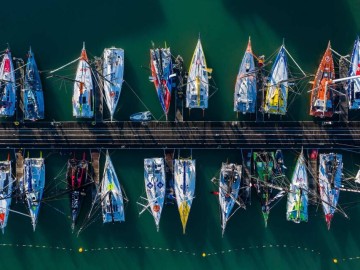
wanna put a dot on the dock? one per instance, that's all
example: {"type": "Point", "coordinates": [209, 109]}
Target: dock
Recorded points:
{"type": "Point", "coordinates": [95, 160]}
{"type": "Point", "coordinates": [20, 94]}
{"type": "Point", "coordinates": [177, 135]}
{"type": "Point", "coordinates": [261, 80]}
{"type": "Point", "coordinates": [19, 168]}
{"type": "Point", "coordinates": [99, 99]}
{"type": "Point", "coordinates": [169, 174]}
{"type": "Point", "coordinates": [245, 193]}
{"type": "Point", "coordinates": [343, 108]}
{"type": "Point", "coordinates": [179, 89]}
{"type": "Point", "coordinates": [313, 175]}
{"type": "Point", "coordinates": [169, 160]}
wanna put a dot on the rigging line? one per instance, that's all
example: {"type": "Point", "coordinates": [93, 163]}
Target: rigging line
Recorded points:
{"type": "Point", "coordinates": [294, 61]}
{"type": "Point", "coordinates": [61, 171]}
{"type": "Point", "coordinates": [66, 191]}
{"type": "Point", "coordinates": [272, 55]}
{"type": "Point", "coordinates": [56, 209]}
{"type": "Point", "coordinates": [239, 201]}
{"type": "Point", "coordinates": [77, 59]}
{"type": "Point", "coordinates": [7, 186]}
{"type": "Point", "coordinates": [20, 213]}
{"type": "Point", "coordinates": [277, 200]}
{"type": "Point", "coordinates": [99, 74]}
{"type": "Point", "coordinates": [217, 89]}
{"type": "Point", "coordinates": [342, 56]}
{"type": "Point", "coordinates": [95, 206]}
{"type": "Point", "coordinates": [85, 226]}
{"type": "Point", "coordinates": [128, 85]}
{"type": "Point", "coordinates": [19, 67]}
{"type": "Point", "coordinates": [64, 78]}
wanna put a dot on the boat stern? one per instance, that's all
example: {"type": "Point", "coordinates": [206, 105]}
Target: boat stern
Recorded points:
{"type": "Point", "coordinates": [328, 218]}
{"type": "Point", "coordinates": [266, 217]}
{"type": "Point", "coordinates": [184, 210]}
{"type": "Point", "coordinates": [34, 226]}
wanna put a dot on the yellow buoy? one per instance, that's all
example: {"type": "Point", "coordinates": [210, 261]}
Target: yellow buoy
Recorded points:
{"type": "Point", "coordinates": [81, 250]}
{"type": "Point", "coordinates": [204, 254]}
{"type": "Point", "coordinates": [335, 260]}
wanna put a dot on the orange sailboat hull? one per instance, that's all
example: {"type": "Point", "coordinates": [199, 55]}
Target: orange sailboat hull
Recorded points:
{"type": "Point", "coordinates": [321, 101]}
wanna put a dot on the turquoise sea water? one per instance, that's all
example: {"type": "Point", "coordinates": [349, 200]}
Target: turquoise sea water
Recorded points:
{"type": "Point", "coordinates": [56, 30]}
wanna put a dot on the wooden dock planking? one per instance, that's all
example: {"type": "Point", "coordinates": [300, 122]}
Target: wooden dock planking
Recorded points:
{"type": "Point", "coordinates": [95, 158]}
{"type": "Point", "coordinates": [343, 98]}
{"type": "Point", "coordinates": [180, 89]}
{"type": "Point", "coordinates": [99, 100]}
{"type": "Point", "coordinates": [19, 167]}
{"type": "Point", "coordinates": [313, 178]}
{"type": "Point", "coordinates": [169, 174]}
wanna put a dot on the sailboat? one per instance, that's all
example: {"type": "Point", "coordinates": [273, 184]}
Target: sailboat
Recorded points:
{"type": "Point", "coordinates": [83, 95]}
{"type": "Point", "coordinates": [7, 86]}
{"type": "Point", "coordinates": [161, 75]}
{"type": "Point", "coordinates": [33, 186]}
{"type": "Point", "coordinates": [321, 101]}
{"type": "Point", "coordinates": [155, 186]}
{"type": "Point", "coordinates": [330, 175]}
{"type": "Point", "coordinates": [6, 188]}
{"type": "Point", "coordinates": [264, 164]}
{"type": "Point", "coordinates": [229, 186]}
{"type": "Point", "coordinates": [185, 176]}
{"type": "Point", "coordinates": [297, 201]}
{"type": "Point", "coordinates": [77, 178]}
{"type": "Point", "coordinates": [33, 92]}
{"type": "Point", "coordinates": [111, 195]}
{"type": "Point", "coordinates": [113, 73]}
{"type": "Point", "coordinates": [245, 87]}
{"type": "Point", "coordinates": [277, 86]}
{"type": "Point", "coordinates": [354, 84]}
{"type": "Point", "coordinates": [197, 88]}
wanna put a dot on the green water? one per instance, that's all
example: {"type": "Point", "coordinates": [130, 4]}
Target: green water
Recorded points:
{"type": "Point", "coordinates": [56, 30]}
